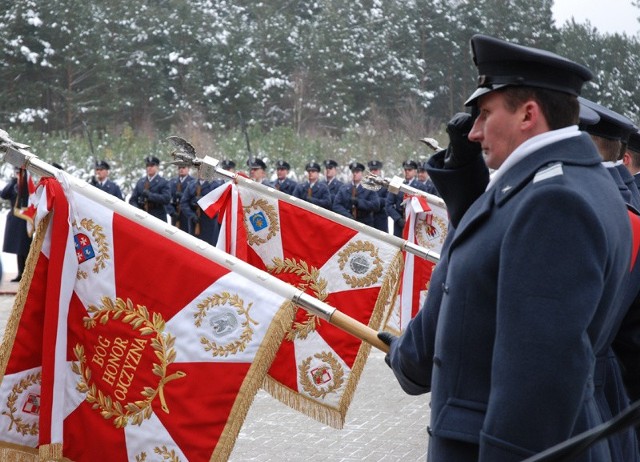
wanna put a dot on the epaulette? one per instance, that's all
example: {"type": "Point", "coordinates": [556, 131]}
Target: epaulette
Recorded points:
{"type": "Point", "coordinates": [548, 171]}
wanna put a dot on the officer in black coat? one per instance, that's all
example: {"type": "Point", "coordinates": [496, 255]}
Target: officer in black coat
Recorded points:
{"type": "Point", "coordinates": [152, 193]}
{"type": "Point", "coordinates": [283, 183]}
{"type": "Point", "coordinates": [200, 225]}
{"type": "Point", "coordinates": [178, 186]}
{"type": "Point", "coordinates": [17, 239]}
{"type": "Point", "coordinates": [507, 338]}
{"type": "Point", "coordinates": [330, 174]}
{"type": "Point", "coordinates": [425, 181]}
{"type": "Point", "coordinates": [313, 190]}
{"type": "Point", "coordinates": [380, 217]}
{"type": "Point", "coordinates": [102, 181]}
{"type": "Point", "coordinates": [394, 202]}
{"type": "Point", "coordinates": [355, 201]}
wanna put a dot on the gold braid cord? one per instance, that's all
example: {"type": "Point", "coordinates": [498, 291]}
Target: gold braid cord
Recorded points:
{"type": "Point", "coordinates": [139, 318]}
{"type": "Point", "coordinates": [309, 279]}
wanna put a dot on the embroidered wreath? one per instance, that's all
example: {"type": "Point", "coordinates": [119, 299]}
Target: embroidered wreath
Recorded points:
{"type": "Point", "coordinates": [310, 279]}
{"type": "Point", "coordinates": [272, 215]}
{"type": "Point", "coordinates": [103, 246]}
{"type": "Point", "coordinates": [424, 230]}
{"type": "Point", "coordinates": [169, 456]}
{"type": "Point", "coordinates": [16, 391]}
{"type": "Point", "coordinates": [372, 276]}
{"type": "Point", "coordinates": [307, 384]}
{"type": "Point", "coordinates": [139, 318]}
{"type": "Point", "coordinates": [247, 334]}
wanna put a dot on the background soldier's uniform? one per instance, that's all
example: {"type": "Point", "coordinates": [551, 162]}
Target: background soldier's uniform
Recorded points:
{"type": "Point", "coordinates": [178, 187]}
{"type": "Point", "coordinates": [152, 196]}
{"type": "Point", "coordinates": [201, 226]}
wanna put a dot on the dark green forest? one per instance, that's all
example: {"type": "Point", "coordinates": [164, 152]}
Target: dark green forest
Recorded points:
{"type": "Point", "coordinates": [111, 71]}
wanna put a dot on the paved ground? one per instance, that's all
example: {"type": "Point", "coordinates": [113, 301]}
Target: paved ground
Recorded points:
{"type": "Point", "coordinates": [383, 423]}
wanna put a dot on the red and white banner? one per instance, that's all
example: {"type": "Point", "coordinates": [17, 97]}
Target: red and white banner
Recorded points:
{"type": "Point", "coordinates": [425, 225]}
{"type": "Point", "coordinates": [318, 365]}
{"type": "Point", "coordinates": [126, 345]}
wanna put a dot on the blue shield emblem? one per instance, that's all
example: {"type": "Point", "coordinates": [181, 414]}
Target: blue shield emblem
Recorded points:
{"type": "Point", "coordinates": [84, 249]}
{"type": "Point", "coordinates": [258, 221]}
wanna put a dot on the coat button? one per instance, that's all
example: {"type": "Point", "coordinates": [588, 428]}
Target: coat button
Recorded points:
{"type": "Point", "coordinates": [437, 361]}
{"type": "Point", "coordinates": [445, 288]}
{"type": "Point", "coordinates": [429, 430]}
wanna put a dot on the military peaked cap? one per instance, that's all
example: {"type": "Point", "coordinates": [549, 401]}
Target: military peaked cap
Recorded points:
{"type": "Point", "coordinates": [151, 160]}
{"type": "Point", "coordinates": [409, 164]}
{"type": "Point", "coordinates": [422, 166]}
{"type": "Point", "coordinates": [313, 165]}
{"type": "Point", "coordinates": [611, 125]}
{"type": "Point", "coordinates": [330, 163]}
{"type": "Point", "coordinates": [634, 141]}
{"type": "Point", "coordinates": [356, 167]}
{"type": "Point", "coordinates": [226, 164]}
{"type": "Point", "coordinates": [374, 165]}
{"type": "Point", "coordinates": [255, 162]}
{"type": "Point", "coordinates": [283, 164]}
{"type": "Point", "coordinates": [101, 165]}
{"type": "Point", "coordinates": [587, 116]}
{"type": "Point", "coordinates": [502, 64]}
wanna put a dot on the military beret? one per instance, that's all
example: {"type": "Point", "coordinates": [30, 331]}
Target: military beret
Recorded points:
{"type": "Point", "coordinates": [611, 125]}
{"type": "Point", "coordinates": [374, 165]}
{"type": "Point", "coordinates": [356, 167]}
{"type": "Point", "coordinates": [256, 162]}
{"type": "Point", "coordinates": [101, 164]}
{"type": "Point", "coordinates": [330, 164]}
{"type": "Point", "coordinates": [226, 164]}
{"type": "Point", "coordinates": [313, 165]}
{"type": "Point", "coordinates": [151, 160]}
{"type": "Point", "coordinates": [502, 64]}
{"type": "Point", "coordinates": [634, 141]}
{"type": "Point", "coordinates": [283, 164]}
{"type": "Point", "coordinates": [409, 165]}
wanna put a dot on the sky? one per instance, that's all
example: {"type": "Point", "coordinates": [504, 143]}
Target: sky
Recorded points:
{"type": "Point", "coordinates": [606, 15]}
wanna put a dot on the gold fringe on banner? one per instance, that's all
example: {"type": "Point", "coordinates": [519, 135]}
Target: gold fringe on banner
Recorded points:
{"type": "Point", "coordinates": [252, 382]}
{"type": "Point", "coordinates": [10, 452]}
{"type": "Point", "coordinates": [328, 415]}
{"type": "Point", "coordinates": [50, 452]}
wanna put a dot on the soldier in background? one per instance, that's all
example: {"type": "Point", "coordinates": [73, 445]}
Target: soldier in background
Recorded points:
{"type": "Point", "coordinates": [200, 225]}
{"type": "Point", "coordinates": [228, 165]}
{"type": "Point", "coordinates": [394, 204]}
{"type": "Point", "coordinates": [380, 217]}
{"type": "Point", "coordinates": [330, 172]}
{"type": "Point", "coordinates": [355, 201]}
{"type": "Point", "coordinates": [258, 171]}
{"type": "Point", "coordinates": [631, 157]}
{"type": "Point", "coordinates": [425, 181]}
{"type": "Point", "coordinates": [152, 193]}
{"type": "Point", "coordinates": [283, 183]}
{"type": "Point", "coordinates": [101, 180]}
{"type": "Point", "coordinates": [16, 236]}
{"type": "Point", "coordinates": [178, 186]}
{"type": "Point", "coordinates": [313, 190]}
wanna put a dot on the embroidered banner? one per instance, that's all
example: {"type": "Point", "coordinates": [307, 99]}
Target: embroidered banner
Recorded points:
{"type": "Point", "coordinates": [160, 355]}
{"type": "Point", "coordinates": [318, 365]}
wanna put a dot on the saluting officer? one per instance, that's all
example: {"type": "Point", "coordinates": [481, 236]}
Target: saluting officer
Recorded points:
{"type": "Point", "coordinates": [178, 186]}
{"type": "Point", "coordinates": [394, 202]}
{"type": "Point", "coordinates": [200, 225]}
{"type": "Point", "coordinates": [330, 173]}
{"type": "Point", "coordinates": [313, 190]}
{"type": "Point", "coordinates": [355, 201]}
{"type": "Point", "coordinates": [152, 193]}
{"type": "Point", "coordinates": [283, 183]}
{"type": "Point", "coordinates": [380, 217]}
{"type": "Point", "coordinates": [102, 181]}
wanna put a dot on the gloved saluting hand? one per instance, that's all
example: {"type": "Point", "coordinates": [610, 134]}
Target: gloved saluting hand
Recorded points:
{"type": "Point", "coordinates": [461, 151]}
